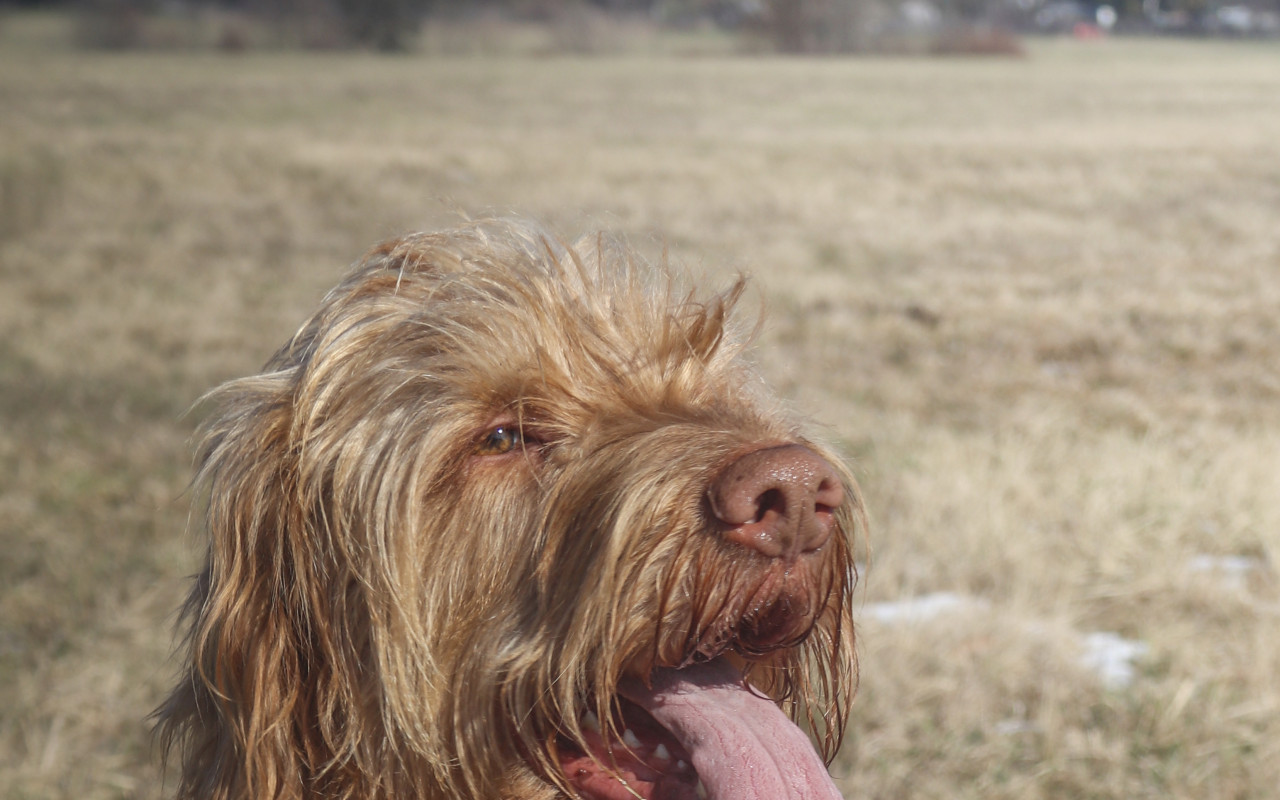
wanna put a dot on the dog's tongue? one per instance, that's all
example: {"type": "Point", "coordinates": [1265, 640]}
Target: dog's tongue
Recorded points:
{"type": "Point", "coordinates": [742, 745]}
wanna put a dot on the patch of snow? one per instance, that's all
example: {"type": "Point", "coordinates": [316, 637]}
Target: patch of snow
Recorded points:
{"type": "Point", "coordinates": [1112, 656]}
{"type": "Point", "coordinates": [1108, 655]}
{"type": "Point", "coordinates": [922, 608]}
{"type": "Point", "coordinates": [1013, 726]}
{"type": "Point", "coordinates": [1231, 571]}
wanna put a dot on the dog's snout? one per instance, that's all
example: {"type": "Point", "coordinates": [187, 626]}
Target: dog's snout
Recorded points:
{"type": "Point", "coordinates": [777, 501]}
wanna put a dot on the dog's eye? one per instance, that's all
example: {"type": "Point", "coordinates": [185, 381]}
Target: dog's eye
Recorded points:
{"type": "Point", "coordinates": [500, 440]}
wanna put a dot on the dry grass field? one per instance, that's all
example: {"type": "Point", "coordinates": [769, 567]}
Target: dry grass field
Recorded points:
{"type": "Point", "coordinates": [1037, 302]}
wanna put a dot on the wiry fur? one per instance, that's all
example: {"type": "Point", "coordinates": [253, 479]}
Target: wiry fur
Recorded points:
{"type": "Point", "coordinates": [385, 614]}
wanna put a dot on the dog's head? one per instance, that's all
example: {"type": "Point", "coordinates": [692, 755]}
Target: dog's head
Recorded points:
{"type": "Point", "coordinates": [508, 518]}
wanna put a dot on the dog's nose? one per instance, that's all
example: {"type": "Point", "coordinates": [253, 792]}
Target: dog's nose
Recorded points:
{"type": "Point", "coordinates": [777, 501]}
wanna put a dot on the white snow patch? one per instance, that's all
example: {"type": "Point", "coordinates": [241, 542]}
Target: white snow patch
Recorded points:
{"type": "Point", "coordinates": [1112, 656]}
{"type": "Point", "coordinates": [1014, 726]}
{"type": "Point", "coordinates": [1109, 655]}
{"type": "Point", "coordinates": [1232, 572]}
{"type": "Point", "coordinates": [922, 608]}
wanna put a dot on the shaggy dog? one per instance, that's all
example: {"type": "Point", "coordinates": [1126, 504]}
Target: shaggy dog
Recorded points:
{"type": "Point", "coordinates": [512, 519]}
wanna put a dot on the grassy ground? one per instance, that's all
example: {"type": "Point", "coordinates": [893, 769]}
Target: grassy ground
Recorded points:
{"type": "Point", "coordinates": [1035, 300]}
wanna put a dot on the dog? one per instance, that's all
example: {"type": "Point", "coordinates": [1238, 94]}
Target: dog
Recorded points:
{"type": "Point", "coordinates": [512, 518]}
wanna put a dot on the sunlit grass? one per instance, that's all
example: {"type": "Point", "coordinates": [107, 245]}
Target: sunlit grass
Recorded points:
{"type": "Point", "coordinates": [1035, 300]}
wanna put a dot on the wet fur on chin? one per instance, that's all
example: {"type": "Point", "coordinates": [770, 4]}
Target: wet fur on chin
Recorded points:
{"type": "Point", "coordinates": [389, 610]}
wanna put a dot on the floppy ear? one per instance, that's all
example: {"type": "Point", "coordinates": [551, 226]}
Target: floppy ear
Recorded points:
{"type": "Point", "coordinates": [278, 695]}
{"type": "Point", "coordinates": [232, 716]}
{"type": "Point", "coordinates": [267, 697]}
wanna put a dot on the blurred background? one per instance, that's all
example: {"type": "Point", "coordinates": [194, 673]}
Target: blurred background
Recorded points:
{"type": "Point", "coordinates": [1019, 261]}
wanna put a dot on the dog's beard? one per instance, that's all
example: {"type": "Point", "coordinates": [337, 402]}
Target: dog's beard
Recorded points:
{"type": "Point", "coordinates": [680, 701]}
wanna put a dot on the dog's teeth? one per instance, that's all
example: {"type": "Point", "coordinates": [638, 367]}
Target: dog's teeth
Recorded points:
{"type": "Point", "coordinates": [630, 739]}
{"type": "Point", "coordinates": [591, 722]}
{"type": "Point", "coordinates": [680, 764]}
{"type": "Point", "coordinates": [701, 790]}
{"type": "Point", "coordinates": [661, 752]}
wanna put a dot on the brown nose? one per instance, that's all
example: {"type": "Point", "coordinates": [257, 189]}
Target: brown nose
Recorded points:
{"type": "Point", "coordinates": [777, 500]}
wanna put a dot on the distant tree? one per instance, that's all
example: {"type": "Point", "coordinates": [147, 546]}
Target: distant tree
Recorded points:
{"type": "Point", "coordinates": [816, 26]}
{"type": "Point", "coordinates": [384, 24]}
{"type": "Point", "coordinates": [111, 24]}
{"type": "Point", "coordinates": [959, 11]}
{"type": "Point", "coordinates": [788, 26]}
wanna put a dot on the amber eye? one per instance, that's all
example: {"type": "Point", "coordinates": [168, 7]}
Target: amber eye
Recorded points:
{"type": "Point", "coordinates": [500, 440]}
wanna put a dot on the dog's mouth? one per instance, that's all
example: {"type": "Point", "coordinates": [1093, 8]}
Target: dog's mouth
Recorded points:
{"type": "Point", "coordinates": [696, 732]}
{"type": "Point", "coordinates": [648, 762]}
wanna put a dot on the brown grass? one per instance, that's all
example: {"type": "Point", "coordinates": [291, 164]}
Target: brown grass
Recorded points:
{"type": "Point", "coordinates": [1035, 299]}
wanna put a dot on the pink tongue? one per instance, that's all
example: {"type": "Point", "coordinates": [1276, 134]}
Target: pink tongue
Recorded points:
{"type": "Point", "coordinates": [742, 745]}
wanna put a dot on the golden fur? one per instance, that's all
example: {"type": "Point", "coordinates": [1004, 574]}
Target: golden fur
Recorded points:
{"type": "Point", "coordinates": [399, 603]}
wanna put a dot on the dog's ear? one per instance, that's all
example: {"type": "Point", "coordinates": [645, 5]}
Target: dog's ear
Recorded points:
{"type": "Point", "coordinates": [242, 716]}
